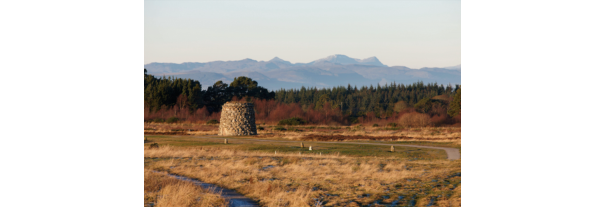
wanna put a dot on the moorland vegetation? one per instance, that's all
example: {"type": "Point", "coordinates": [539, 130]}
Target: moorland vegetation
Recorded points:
{"type": "Point", "coordinates": [292, 178]}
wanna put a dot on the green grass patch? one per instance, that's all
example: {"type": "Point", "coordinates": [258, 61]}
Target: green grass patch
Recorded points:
{"type": "Point", "coordinates": [212, 121]}
{"type": "Point", "coordinates": [353, 150]}
{"type": "Point", "coordinates": [433, 144]}
{"type": "Point", "coordinates": [172, 120]}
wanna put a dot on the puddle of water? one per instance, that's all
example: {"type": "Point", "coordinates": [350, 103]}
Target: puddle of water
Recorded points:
{"type": "Point", "coordinates": [363, 195]}
{"type": "Point", "coordinates": [412, 201]}
{"type": "Point", "coordinates": [394, 203]}
{"type": "Point", "coordinates": [268, 167]}
{"type": "Point", "coordinates": [432, 201]}
{"type": "Point", "coordinates": [375, 203]}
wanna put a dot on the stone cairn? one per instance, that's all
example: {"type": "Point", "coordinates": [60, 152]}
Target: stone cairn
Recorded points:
{"type": "Point", "coordinates": [237, 119]}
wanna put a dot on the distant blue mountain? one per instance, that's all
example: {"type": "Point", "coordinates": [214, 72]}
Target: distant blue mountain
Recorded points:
{"type": "Point", "coordinates": [331, 71]}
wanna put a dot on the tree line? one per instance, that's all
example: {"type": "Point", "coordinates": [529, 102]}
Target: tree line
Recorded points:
{"type": "Point", "coordinates": [168, 93]}
{"type": "Point", "coordinates": [184, 98]}
{"type": "Point", "coordinates": [382, 101]}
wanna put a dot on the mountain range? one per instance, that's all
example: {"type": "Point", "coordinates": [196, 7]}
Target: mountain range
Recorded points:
{"type": "Point", "coordinates": [331, 71]}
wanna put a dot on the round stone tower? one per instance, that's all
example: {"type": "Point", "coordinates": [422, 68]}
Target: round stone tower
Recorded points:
{"type": "Point", "coordinates": [237, 119]}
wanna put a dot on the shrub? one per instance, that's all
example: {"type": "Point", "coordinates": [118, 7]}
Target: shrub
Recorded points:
{"type": "Point", "coordinates": [291, 121]}
{"type": "Point", "coordinates": [375, 125]}
{"type": "Point", "coordinates": [212, 121]}
{"type": "Point", "coordinates": [158, 120]}
{"type": "Point", "coordinates": [392, 124]}
{"type": "Point", "coordinates": [424, 105]}
{"type": "Point", "coordinates": [260, 128]}
{"type": "Point", "coordinates": [154, 145]}
{"type": "Point", "coordinates": [415, 119]}
{"type": "Point", "coordinates": [173, 120]}
{"type": "Point", "coordinates": [440, 120]}
{"type": "Point", "coordinates": [353, 120]}
{"type": "Point", "coordinates": [280, 128]}
{"type": "Point", "coordinates": [400, 106]}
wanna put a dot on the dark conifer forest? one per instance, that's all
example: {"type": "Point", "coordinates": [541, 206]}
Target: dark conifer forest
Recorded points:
{"type": "Point", "coordinates": [184, 100]}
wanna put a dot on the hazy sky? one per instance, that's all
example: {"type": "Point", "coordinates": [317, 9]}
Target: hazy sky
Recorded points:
{"type": "Point", "coordinates": [423, 33]}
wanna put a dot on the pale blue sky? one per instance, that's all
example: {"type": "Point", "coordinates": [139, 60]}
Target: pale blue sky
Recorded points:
{"type": "Point", "coordinates": [406, 33]}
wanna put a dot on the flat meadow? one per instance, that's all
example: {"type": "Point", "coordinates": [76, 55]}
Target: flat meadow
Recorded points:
{"type": "Point", "coordinates": [277, 168]}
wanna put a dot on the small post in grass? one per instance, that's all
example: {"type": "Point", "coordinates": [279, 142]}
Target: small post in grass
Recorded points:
{"type": "Point", "coordinates": [302, 145]}
{"type": "Point", "coordinates": [392, 148]}
{"type": "Point", "coordinates": [226, 142]}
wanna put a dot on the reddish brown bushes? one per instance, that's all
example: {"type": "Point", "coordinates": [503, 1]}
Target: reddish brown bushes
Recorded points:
{"type": "Point", "coordinates": [271, 112]}
{"type": "Point", "coordinates": [415, 119]}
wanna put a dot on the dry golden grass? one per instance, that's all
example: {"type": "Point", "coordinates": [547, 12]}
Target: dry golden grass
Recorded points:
{"type": "Point", "coordinates": [415, 133]}
{"type": "Point", "coordinates": [187, 128]}
{"type": "Point", "coordinates": [285, 179]}
{"type": "Point", "coordinates": [163, 190]}
{"type": "Point", "coordinates": [420, 134]}
{"type": "Point", "coordinates": [172, 151]}
{"type": "Point", "coordinates": [436, 134]}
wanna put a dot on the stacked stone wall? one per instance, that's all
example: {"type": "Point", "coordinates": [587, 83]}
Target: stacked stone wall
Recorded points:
{"type": "Point", "coordinates": [237, 119]}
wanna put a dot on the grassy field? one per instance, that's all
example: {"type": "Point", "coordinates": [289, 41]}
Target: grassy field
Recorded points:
{"type": "Point", "coordinates": [421, 134]}
{"type": "Point", "coordinates": [284, 174]}
{"type": "Point", "coordinates": [353, 150]}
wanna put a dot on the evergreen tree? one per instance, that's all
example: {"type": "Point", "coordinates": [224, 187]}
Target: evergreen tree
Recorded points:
{"type": "Point", "coordinates": [456, 104]}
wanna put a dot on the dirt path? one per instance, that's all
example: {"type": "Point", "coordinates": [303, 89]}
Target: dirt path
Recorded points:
{"type": "Point", "coordinates": [235, 199]}
{"type": "Point", "coordinates": [452, 153]}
